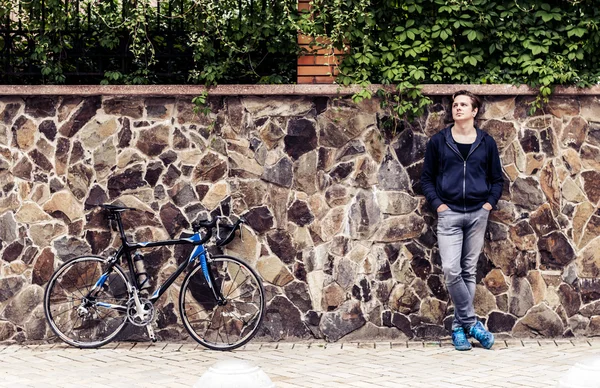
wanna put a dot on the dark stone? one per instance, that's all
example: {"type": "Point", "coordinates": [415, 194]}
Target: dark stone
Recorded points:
{"type": "Point", "coordinates": [173, 220]}
{"type": "Point", "coordinates": [10, 286]}
{"type": "Point", "coordinates": [40, 106]}
{"type": "Point", "coordinates": [180, 141]}
{"type": "Point", "coordinates": [555, 251]}
{"type": "Point", "coordinates": [503, 132]}
{"type": "Point", "coordinates": [350, 150]}
{"type": "Point", "coordinates": [153, 141]}
{"type": "Point", "coordinates": [362, 290]}
{"type": "Point", "coordinates": [29, 254]}
{"type": "Point", "coordinates": [591, 185]}
{"type": "Point", "coordinates": [431, 332]}
{"type": "Point", "coordinates": [201, 190]}
{"type": "Point", "coordinates": [521, 299]}
{"type": "Point", "coordinates": [437, 287]}
{"type": "Point", "coordinates": [299, 213]}
{"type": "Point", "coordinates": [97, 196]}
{"type": "Point", "coordinates": [98, 240]}
{"type": "Point", "coordinates": [153, 172]}
{"type": "Point", "coordinates": [211, 168]}
{"type": "Point", "coordinates": [23, 169]}
{"type": "Point", "coordinates": [166, 316]}
{"type": "Point", "coordinates": [399, 321]}
{"type": "Point", "coordinates": [10, 112]}
{"type": "Point", "coordinates": [414, 175]}
{"type": "Point", "coordinates": [392, 176]}
{"type": "Point", "coordinates": [297, 293]}
{"type": "Point", "coordinates": [325, 155]}
{"type": "Point", "coordinates": [341, 171]}
{"type": "Point", "coordinates": [496, 231]}
{"type": "Point", "coordinates": [280, 173]}
{"type": "Point", "coordinates": [12, 251]}
{"type": "Point", "coordinates": [542, 221]}
{"type": "Point", "coordinates": [410, 147]}
{"type": "Point", "coordinates": [526, 193]}
{"type": "Point", "coordinates": [484, 266]}
{"type": "Point", "coordinates": [548, 142]}
{"type": "Point", "coordinates": [68, 247]}
{"type": "Point", "coordinates": [539, 321]}
{"type": "Point", "coordinates": [421, 267]}
{"type": "Point", "coordinates": [43, 268]}
{"type": "Point", "coordinates": [573, 135]}
{"type": "Point", "coordinates": [260, 219]}
{"type": "Point", "coordinates": [183, 194]}
{"type": "Point", "coordinates": [499, 322]}
{"type": "Point", "coordinates": [63, 146]}
{"type": "Point", "coordinates": [154, 261]}
{"type": "Point", "coordinates": [589, 289]}
{"type": "Point", "coordinates": [301, 137]}
{"type": "Point", "coordinates": [569, 298]}
{"type": "Point", "coordinates": [328, 265]}
{"type": "Point", "coordinates": [76, 153]}
{"type": "Point", "coordinates": [124, 106]}
{"type": "Point", "coordinates": [283, 321]}
{"type": "Point", "coordinates": [128, 180]}
{"type": "Point", "coordinates": [320, 104]}
{"type": "Point", "coordinates": [48, 128]}
{"type": "Point", "coordinates": [168, 157]}
{"type": "Point", "coordinates": [300, 271]}
{"type": "Point", "coordinates": [171, 176]}
{"type": "Point", "coordinates": [336, 324]}
{"type": "Point", "coordinates": [530, 141]}
{"type": "Point", "coordinates": [86, 111]}
{"type": "Point", "coordinates": [125, 133]}
{"type": "Point", "coordinates": [40, 160]}
{"type": "Point", "coordinates": [281, 244]}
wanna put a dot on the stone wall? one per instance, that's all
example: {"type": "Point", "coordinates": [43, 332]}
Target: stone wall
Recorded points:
{"type": "Point", "coordinates": [339, 229]}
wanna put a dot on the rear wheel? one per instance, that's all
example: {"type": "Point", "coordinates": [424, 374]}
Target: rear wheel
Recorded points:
{"type": "Point", "coordinates": [80, 319]}
{"type": "Point", "coordinates": [233, 323]}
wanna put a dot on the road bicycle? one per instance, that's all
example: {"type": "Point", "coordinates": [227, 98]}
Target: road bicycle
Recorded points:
{"type": "Point", "coordinates": [90, 299]}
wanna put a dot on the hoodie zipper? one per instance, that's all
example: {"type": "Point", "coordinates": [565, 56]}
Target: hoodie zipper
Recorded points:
{"type": "Point", "coordinates": [464, 170]}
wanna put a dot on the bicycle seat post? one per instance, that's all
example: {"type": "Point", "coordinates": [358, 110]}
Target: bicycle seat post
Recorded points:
{"type": "Point", "coordinates": [116, 215]}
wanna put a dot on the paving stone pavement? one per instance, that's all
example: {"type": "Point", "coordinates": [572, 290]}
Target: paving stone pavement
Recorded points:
{"type": "Point", "coordinates": [511, 363]}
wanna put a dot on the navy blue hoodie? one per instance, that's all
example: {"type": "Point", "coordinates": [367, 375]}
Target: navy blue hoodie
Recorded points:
{"type": "Point", "coordinates": [463, 185]}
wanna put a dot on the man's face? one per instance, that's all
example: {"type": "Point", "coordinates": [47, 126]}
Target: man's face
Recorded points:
{"type": "Point", "coordinates": [462, 108]}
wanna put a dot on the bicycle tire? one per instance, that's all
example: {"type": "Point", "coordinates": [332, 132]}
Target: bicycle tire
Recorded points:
{"type": "Point", "coordinates": [64, 295]}
{"type": "Point", "coordinates": [203, 318]}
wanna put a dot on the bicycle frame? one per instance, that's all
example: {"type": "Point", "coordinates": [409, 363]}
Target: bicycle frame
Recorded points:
{"type": "Point", "coordinates": [127, 248]}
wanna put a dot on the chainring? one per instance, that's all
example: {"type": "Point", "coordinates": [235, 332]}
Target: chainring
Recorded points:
{"type": "Point", "coordinates": [147, 316]}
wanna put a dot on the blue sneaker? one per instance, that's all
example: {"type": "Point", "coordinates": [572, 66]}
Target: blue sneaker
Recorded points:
{"type": "Point", "coordinates": [459, 339]}
{"type": "Point", "coordinates": [485, 338]}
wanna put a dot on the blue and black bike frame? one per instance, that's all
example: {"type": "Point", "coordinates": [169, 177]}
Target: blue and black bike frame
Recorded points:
{"type": "Point", "coordinates": [127, 248]}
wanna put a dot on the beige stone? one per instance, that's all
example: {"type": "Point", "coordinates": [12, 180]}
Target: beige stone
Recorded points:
{"type": "Point", "coordinates": [496, 282]}
{"type": "Point", "coordinates": [588, 261]}
{"type": "Point", "coordinates": [399, 228]}
{"type": "Point", "coordinates": [571, 192]}
{"type": "Point", "coordinates": [43, 234]}
{"type": "Point", "coordinates": [105, 158]}
{"type": "Point", "coordinates": [375, 145]}
{"type": "Point", "coordinates": [403, 299]}
{"type": "Point", "coordinates": [484, 301]}
{"type": "Point", "coordinates": [582, 214]}
{"type": "Point", "coordinates": [432, 310]}
{"type": "Point", "coordinates": [31, 213]}
{"type": "Point", "coordinates": [590, 108]}
{"type": "Point", "coordinates": [25, 135]}
{"type": "Point", "coordinates": [191, 157]}
{"type": "Point", "coordinates": [95, 132]}
{"type": "Point", "coordinates": [315, 281]}
{"type": "Point", "coordinates": [358, 252]}
{"type": "Point", "coordinates": [550, 185]}
{"type": "Point", "coordinates": [394, 202]}
{"type": "Point", "coordinates": [40, 193]}
{"type": "Point", "coordinates": [302, 238]}
{"type": "Point", "coordinates": [272, 270]}
{"type": "Point", "coordinates": [17, 267]}
{"type": "Point", "coordinates": [215, 195]}
{"type": "Point", "coordinates": [9, 203]}
{"type": "Point", "coordinates": [331, 224]}
{"type": "Point", "coordinates": [512, 172]}
{"type": "Point", "coordinates": [552, 298]}
{"type": "Point", "coordinates": [590, 157]}
{"type": "Point", "coordinates": [66, 203]}
{"type": "Point", "coordinates": [24, 190]}
{"type": "Point", "coordinates": [538, 286]}
{"type": "Point", "coordinates": [240, 162]}
{"type": "Point", "coordinates": [45, 148]}
{"type": "Point", "coordinates": [498, 108]}
{"type": "Point", "coordinates": [402, 270]}
{"type": "Point", "coordinates": [246, 247]}
{"type": "Point", "coordinates": [572, 160]}
{"type": "Point", "coordinates": [279, 106]}
{"type": "Point", "coordinates": [534, 163]}
{"type": "Point", "coordinates": [333, 296]}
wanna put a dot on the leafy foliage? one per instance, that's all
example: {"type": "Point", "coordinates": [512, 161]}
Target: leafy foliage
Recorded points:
{"type": "Point", "coordinates": [146, 41]}
{"type": "Point", "coordinates": [412, 42]}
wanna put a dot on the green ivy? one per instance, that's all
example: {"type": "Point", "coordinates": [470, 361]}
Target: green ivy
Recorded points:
{"type": "Point", "coordinates": [413, 42]}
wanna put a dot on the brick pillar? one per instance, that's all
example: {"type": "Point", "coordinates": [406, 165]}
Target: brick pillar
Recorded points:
{"type": "Point", "coordinates": [318, 65]}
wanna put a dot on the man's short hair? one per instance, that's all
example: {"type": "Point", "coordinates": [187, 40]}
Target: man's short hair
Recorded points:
{"type": "Point", "coordinates": [475, 100]}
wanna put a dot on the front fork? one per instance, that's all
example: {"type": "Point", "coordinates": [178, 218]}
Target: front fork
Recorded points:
{"type": "Point", "coordinates": [210, 279]}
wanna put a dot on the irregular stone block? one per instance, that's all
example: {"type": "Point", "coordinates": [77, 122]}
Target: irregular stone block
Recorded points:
{"type": "Point", "coordinates": [399, 228]}
{"type": "Point", "coordinates": [500, 323]}
{"type": "Point", "coordinates": [555, 251]}
{"type": "Point", "coordinates": [274, 271]}
{"type": "Point", "coordinates": [336, 324]}
{"type": "Point", "coordinates": [574, 133]}
{"type": "Point", "coordinates": [81, 116]}
{"type": "Point", "coordinates": [540, 320]}
{"type": "Point", "coordinates": [521, 296]}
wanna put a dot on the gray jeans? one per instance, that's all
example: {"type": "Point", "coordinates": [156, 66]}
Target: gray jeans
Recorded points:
{"type": "Point", "coordinates": [460, 239]}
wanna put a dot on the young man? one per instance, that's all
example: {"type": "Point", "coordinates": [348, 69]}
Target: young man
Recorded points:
{"type": "Point", "coordinates": [462, 180]}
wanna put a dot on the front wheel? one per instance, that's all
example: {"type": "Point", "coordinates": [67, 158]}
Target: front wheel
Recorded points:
{"type": "Point", "coordinates": [228, 325]}
{"type": "Point", "coordinates": [81, 318]}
